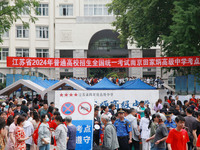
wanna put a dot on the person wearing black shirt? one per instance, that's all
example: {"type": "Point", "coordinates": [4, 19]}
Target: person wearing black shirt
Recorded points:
{"type": "Point", "coordinates": [196, 127]}
{"type": "Point", "coordinates": [112, 108]}
{"type": "Point", "coordinates": [24, 107]}
{"type": "Point", "coordinates": [96, 126]}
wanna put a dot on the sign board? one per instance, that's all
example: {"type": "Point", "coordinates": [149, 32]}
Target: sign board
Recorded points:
{"type": "Point", "coordinates": [80, 106]}
{"type": "Point", "coordinates": [103, 62]}
{"type": "Point", "coordinates": [81, 109]}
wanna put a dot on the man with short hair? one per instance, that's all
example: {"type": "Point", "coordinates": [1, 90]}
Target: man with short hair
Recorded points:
{"type": "Point", "coordinates": [161, 133]}
{"type": "Point", "coordinates": [193, 99]}
{"type": "Point", "coordinates": [110, 140]}
{"type": "Point", "coordinates": [18, 110]}
{"type": "Point", "coordinates": [196, 127]}
{"type": "Point", "coordinates": [97, 123]}
{"type": "Point", "coordinates": [189, 121]}
{"type": "Point", "coordinates": [43, 110]}
{"type": "Point", "coordinates": [24, 107]}
{"type": "Point", "coordinates": [135, 133]}
{"type": "Point", "coordinates": [170, 123]}
{"type": "Point", "coordinates": [178, 137]}
{"type": "Point", "coordinates": [52, 104]}
{"type": "Point", "coordinates": [53, 123]}
{"type": "Point", "coordinates": [124, 131]}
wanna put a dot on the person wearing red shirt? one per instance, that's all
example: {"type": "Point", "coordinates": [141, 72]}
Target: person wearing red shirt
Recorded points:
{"type": "Point", "coordinates": [53, 123]}
{"type": "Point", "coordinates": [198, 143]}
{"type": "Point", "coordinates": [178, 137]}
{"type": "Point", "coordinates": [193, 99]}
{"type": "Point", "coordinates": [10, 112]}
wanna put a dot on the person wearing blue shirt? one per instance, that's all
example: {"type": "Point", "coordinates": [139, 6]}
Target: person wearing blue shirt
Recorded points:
{"type": "Point", "coordinates": [170, 123]}
{"type": "Point", "coordinates": [124, 131]}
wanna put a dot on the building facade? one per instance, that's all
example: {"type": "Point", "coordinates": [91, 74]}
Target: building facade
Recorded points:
{"type": "Point", "coordinates": [70, 29]}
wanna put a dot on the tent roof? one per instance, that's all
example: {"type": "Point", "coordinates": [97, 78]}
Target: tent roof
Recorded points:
{"type": "Point", "coordinates": [138, 85]}
{"type": "Point", "coordinates": [62, 83]}
{"type": "Point", "coordinates": [128, 83]}
{"type": "Point", "coordinates": [104, 84]}
{"type": "Point", "coordinates": [16, 85]}
{"type": "Point", "coordinates": [80, 82]}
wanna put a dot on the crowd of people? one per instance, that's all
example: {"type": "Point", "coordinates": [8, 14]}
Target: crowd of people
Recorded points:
{"type": "Point", "coordinates": [37, 126]}
{"type": "Point", "coordinates": [34, 125]}
{"type": "Point", "coordinates": [169, 125]}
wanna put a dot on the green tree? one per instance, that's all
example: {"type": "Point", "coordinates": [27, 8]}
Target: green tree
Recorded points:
{"type": "Point", "coordinates": [11, 12]}
{"type": "Point", "coordinates": [171, 24]}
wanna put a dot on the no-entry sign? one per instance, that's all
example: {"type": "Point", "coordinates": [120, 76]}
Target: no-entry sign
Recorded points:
{"type": "Point", "coordinates": [68, 108]}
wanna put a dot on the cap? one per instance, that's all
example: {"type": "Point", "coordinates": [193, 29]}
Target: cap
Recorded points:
{"type": "Point", "coordinates": [162, 117]}
{"type": "Point", "coordinates": [121, 111]}
{"type": "Point", "coordinates": [3, 104]}
{"type": "Point", "coordinates": [168, 114]}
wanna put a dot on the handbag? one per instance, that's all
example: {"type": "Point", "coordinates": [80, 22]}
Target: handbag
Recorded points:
{"type": "Point", "coordinates": [48, 140]}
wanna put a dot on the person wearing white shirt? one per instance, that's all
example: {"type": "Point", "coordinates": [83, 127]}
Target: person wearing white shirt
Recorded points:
{"type": "Point", "coordinates": [135, 132]}
{"type": "Point", "coordinates": [144, 126]}
{"type": "Point", "coordinates": [29, 130]}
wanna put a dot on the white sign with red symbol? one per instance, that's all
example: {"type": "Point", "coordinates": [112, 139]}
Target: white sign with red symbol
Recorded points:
{"type": "Point", "coordinates": [84, 108]}
{"type": "Point", "coordinates": [71, 104]}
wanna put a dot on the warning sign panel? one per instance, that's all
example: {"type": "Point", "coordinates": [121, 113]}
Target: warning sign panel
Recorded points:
{"type": "Point", "coordinates": [81, 109]}
{"type": "Point", "coordinates": [84, 108]}
{"type": "Point", "coordinates": [68, 108]}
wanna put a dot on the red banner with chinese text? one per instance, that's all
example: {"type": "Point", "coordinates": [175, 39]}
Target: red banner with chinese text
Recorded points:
{"type": "Point", "coordinates": [102, 62]}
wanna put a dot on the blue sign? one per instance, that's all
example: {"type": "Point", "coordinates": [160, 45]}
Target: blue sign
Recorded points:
{"type": "Point", "coordinates": [67, 108]}
{"type": "Point", "coordinates": [84, 134]}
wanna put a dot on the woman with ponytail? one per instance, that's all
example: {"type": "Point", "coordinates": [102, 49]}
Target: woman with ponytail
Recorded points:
{"type": "Point", "coordinates": [158, 106]}
{"type": "Point", "coordinates": [60, 134]}
{"type": "Point", "coordinates": [145, 130]}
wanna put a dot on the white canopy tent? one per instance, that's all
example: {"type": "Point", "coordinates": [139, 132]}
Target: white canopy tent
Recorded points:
{"type": "Point", "coordinates": [63, 83]}
{"type": "Point", "coordinates": [18, 84]}
{"type": "Point", "coordinates": [37, 88]}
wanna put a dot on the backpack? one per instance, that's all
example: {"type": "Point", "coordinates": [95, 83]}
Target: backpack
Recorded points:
{"type": "Point", "coordinates": [35, 134]}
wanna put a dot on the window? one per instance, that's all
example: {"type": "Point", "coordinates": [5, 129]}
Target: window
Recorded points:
{"type": "Point", "coordinates": [2, 78]}
{"type": "Point", "coordinates": [22, 52]}
{"type": "Point", "coordinates": [42, 53]}
{"type": "Point", "coordinates": [4, 53]}
{"type": "Point", "coordinates": [5, 34]}
{"type": "Point", "coordinates": [66, 53]}
{"type": "Point", "coordinates": [22, 32]}
{"type": "Point", "coordinates": [42, 32]}
{"type": "Point", "coordinates": [25, 11]}
{"type": "Point", "coordinates": [96, 8]}
{"type": "Point", "coordinates": [43, 10]}
{"type": "Point", "coordinates": [66, 10]}
{"type": "Point", "coordinates": [42, 75]}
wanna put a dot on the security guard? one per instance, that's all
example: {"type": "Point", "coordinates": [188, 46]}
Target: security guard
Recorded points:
{"type": "Point", "coordinates": [170, 124]}
{"type": "Point", "coordinates": [124, 131]}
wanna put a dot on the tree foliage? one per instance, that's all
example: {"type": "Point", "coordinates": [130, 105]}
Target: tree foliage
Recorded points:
{"type": "Point", "coordinates": [11, 12]}
{"type": "Point", "coordinates": [174, 25]}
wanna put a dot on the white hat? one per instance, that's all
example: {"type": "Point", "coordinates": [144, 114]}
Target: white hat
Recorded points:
{"type": "Point", "coordinates": [162, 117]}
{"type": "Point", "coordinates": [3, 104]}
